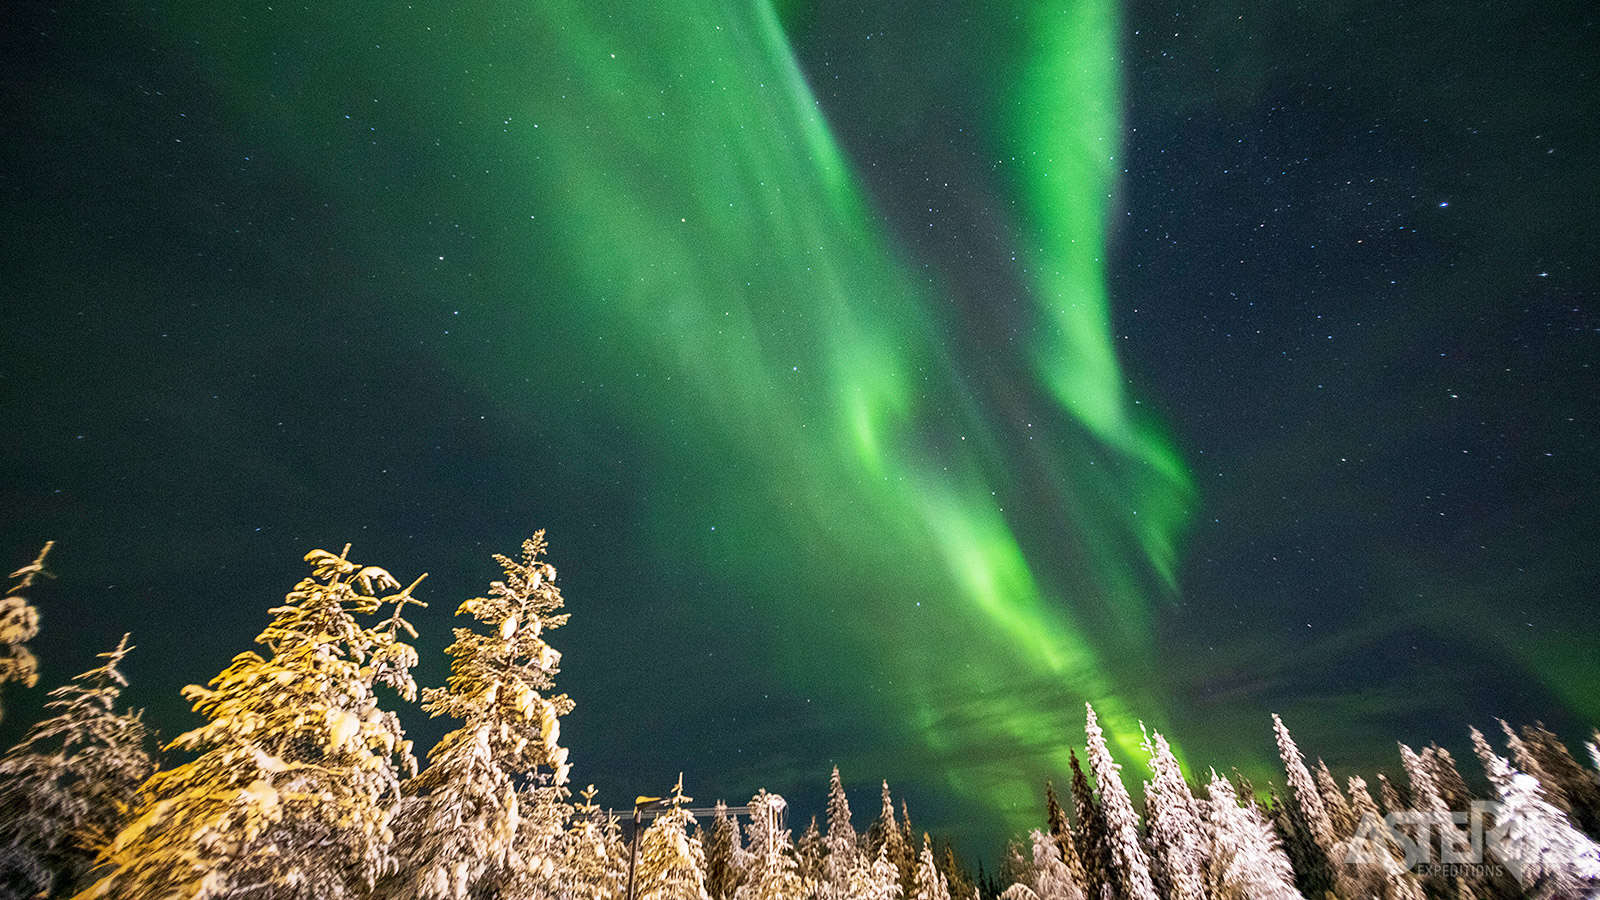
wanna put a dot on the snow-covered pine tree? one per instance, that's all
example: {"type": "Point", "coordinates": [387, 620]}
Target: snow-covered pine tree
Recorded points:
{"type": "Point", "coordinates": [467, 818]}
{"type": "Point", "coordinates": [1529, 764]}
{"type": "Point", "coordinates": [1246, 862]}
{"type": "Point", "coordinates": [1442, 831]}
{"type": "Point", "coordinates": [298, 769]}
{"type": "Point", "coordinates": [722, 847]}
{"type": "Point", "coordinates": [956, 878]}
{"type": "Point", "coordinates": [1130, 865]}
{"type": "Point", "coordinates": [810, 854]}
{"type": "Point", "coordinates": [844, 852]}
{"type": "Point", "coordinates": [1389, 794]}
{"type": "Point", "coordinates": [1176, 827]}
{"type": "Point", "coordinates": [1452, 787]}
{"type": "Point", "coordinates": [1051, 880]}
{"type": "Point", "coordinates": [1535, 839]}
{"type": "Point", "coordinates": [19, 623]}
{"type": "Point", "coordinates": [1368, 865]}
{"type": "Point", "coordinates": [1304, 787]}
{"type": "Point", "coordinates": [595, 863]}
{"type": "Point", "coordinates": [1581, 786]}
{"type": "Point", "coordinates": [1061, 831]}
{"type": "Point", "coordinates": [67, 786]}
{"type": "Point", "coordinates": [883, 881]}
{"type": "Point", "coordinates": [671, 861]}
{"type": "Point", "coordinates": [1344, 823]}
{"type": "Point", "coordinates": [929, 884]}
{"type": "Point", "coordinates": [885, 838]}
{"type": "Point", "coordinates": [1091, 837]}
{"type": "Point", "coordinates": [771, 873]}
{"type": "Point", "coordinates": [908, 872]}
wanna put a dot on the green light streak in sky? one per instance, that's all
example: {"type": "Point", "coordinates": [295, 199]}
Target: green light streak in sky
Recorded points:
{"type": "Point", "coordinates": [721, 237]}
{"type": "Point", "coordinates": [702, 261]}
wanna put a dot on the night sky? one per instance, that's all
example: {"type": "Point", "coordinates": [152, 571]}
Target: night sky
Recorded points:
{"type": "Point", "coordinates": [890, 378]}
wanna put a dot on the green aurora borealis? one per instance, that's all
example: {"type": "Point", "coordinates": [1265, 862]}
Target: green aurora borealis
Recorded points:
{"type": "Point", "coordinates": [710, 228]}
{"type": "Point", "coordinates": [820, 489]}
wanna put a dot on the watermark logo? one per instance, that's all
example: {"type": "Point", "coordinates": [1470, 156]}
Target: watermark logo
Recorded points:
{"type": "Point", "coordinates": [1480, 842]}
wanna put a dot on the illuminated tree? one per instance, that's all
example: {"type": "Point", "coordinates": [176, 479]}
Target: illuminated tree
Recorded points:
{"type": "Point", "coordinates": [489, 800]}
{"type": "Point", "coordinates": [671, 861]}
{"type": "Point", "coordinates": [1581, 786]}
{"type": "Point", "coordinates": [1339, 814]}
{"type": "Point", "coordinates": [844, 853]}
{"type": "Point", "coordinates": [298, 768]}
{"type": "Point", "coordinates": [722, 849]}
{"type": "Point", "coordinates": [1091, 837]}
{"type": "Point", "coordinates": [1370, 864]}
{"type": "Point", "coordinates": [929, 883]}
{"type": "Point", "coordinates": [1130, 865]}
{"type": "Point", "coordinates": [595, 864]}
{"type": "Point", "coordinates": [1061, 831]}
{"type": "Point", "coordinates": [956, 878]}
{"type": "Point", "coordinates": [67, 787]}
{"type": "Point", "coordinates": [1051, 879]}
{"type": "Point", "coordinates": [1529, 764]}
{"type": "Point", "coordinates": [809, 859]}
{"type": "Point", "coordinates": [1246, 862]}
{"type": "Point", "coordinates": [1302, 819]}
{"type": "Point", "coordinates": [19, 623]}
{"type": "Point", "coordinates": [1176, 829]}
{"type": "Point", "coordinates": [771, 871]}
{"type": "Point", "coordinates": [1533, 837]}
{"type": "Point", "coordinates": [1307, 799]}
{"type": "Point", "coordinates": [885, 838]}
{"type": "Point", "coordinates": [883, 882]}
{"type": "Point", "coordinates": [1452, 787]}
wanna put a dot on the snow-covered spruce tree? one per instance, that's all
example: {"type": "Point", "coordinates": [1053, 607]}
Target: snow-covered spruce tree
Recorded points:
{"type": "Point", "coordinates": [1452, 787]}
{"type": "Point", "coordinates": [67, 787]}
{"type": "Point", "coordinates": [1343, 821]}
{"type": "Point", "coordinates": [1580, 785]}
{"type": "Point", "coordinates": [1535, 839]}
{"type": "Point", "coordinates": [464, 820]}
{"type": "Point", "coordinates": [595, 863]}
{"type": "Point", "coordinates": [1369, 865]}
{"type": "Point", "coordinates": [1091, 837]}
{"type": "Point", "coordinates": [956, 878]}
{"type": "Point", "coordinates": [671, 861]}
{"type": "Point", "coordinates": [1130, 865]}
{"type": "Point", "coordinates": [19, 623]}
{"type": "Point", "coordinates": [1302, 819]}
{"type": "Point", "coordinates": [298, 768]}
{"type": "Point", "coordinates": [1246, 862]}
{"type": "Point", "coordinates": [1304, 788]}
{"type": "Point", "coordinates": [883, 882]}
{"type": "Point", "coordinates": [1529, 764]}
{"type": "Point", "coordinates": [722, 847]}
{"type": "Point", "coordinates": [929, 884]}
{"type": "Point", "coordinates": [772, 873]}
{"type": "Point", "coordinates": [1176, 829]}
{"type": "Point", "coordinates": [844, 852]}
{"type": "Point", "coordinates": [884, 834]}
{"type": "Point", "coordinates": [1052, 880]}
{"type": "Point", "coordinates": [810, 854]}
{"type": "Point", "coordinates": [1061, 831]}
{"type": "Point", "coordinates": [908, 874]}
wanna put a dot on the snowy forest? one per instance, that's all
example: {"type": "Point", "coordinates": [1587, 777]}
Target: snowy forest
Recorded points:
{"type": "Point", "coordinates": [299, 782]}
